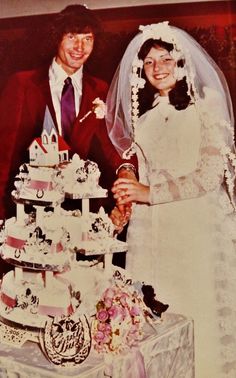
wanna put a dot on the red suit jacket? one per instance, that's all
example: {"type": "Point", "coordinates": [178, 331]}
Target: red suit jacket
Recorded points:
{"type": "Point", "coordinates": [22, 109]}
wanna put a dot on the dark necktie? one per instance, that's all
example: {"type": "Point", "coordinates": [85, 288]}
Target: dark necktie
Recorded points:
{"type": "Point", "coordinates": [67, 108]}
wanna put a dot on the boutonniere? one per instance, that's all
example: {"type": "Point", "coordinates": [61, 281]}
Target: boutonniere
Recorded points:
{"type": "Point", "coordinates": [99, 109]}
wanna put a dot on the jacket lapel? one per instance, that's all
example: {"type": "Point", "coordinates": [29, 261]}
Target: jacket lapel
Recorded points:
{"type": "Point", "coordinates": [87, 96]}
{"type": "Point", "coordinates": [43, 83]}
{"type": "Point", "coordinates": [84, 128]}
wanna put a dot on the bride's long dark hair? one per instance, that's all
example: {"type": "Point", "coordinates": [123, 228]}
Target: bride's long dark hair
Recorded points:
{"type": "Point", "coordinates": [178, 96]}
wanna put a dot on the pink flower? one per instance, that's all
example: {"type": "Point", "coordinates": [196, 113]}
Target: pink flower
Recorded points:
{"type": "Point", "coordinates": [108, 302]}
{"type": "Point", "coordinates": [108, 329]}
{"type": "Point", "coordinates": [104, 327]}
{"type": "Point", "coordinates": [99, 336]}
{"type": "Point", "coordinates": [113, 312]}
{"type": "Point", "coordinates": [134, 311]}
{"type": "Point", "coordinates": [109, 293]}
{"type": "Point", "coordinates": [102, 315]}
{"type": "Point", "coordinates": [126, 313]}
{"type": "Point", "coordinates": [101, 327]}
{"type": "Point", "coordinates": [123, 299]}
{"type": "Point", "coordinates": [119, 320]}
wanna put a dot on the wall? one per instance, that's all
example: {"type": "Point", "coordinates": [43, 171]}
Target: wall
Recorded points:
{"type": "Point", "coordinates": [212, 23]}
{"type": "Point", "coordinates": [16, 8]}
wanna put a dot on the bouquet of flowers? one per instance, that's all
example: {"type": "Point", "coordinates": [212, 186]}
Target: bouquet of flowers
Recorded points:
{"type": "Point", "coordinates": [119, 319]}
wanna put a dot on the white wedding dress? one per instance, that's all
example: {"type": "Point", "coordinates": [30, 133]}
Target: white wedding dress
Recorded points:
{"type": "Point", "coordinates": [183, 242]}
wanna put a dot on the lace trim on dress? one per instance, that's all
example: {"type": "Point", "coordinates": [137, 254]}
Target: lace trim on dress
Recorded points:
{"type": "Point", "coordinates": [207, 177]}
{"type": "Point", "coordinates": [216, 161]}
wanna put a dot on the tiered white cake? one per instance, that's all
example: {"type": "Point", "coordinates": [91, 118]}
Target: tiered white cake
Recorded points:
{"type": "Point", "coordinates": [42, 244]}
{"type": "Point", "coordinates": [49, 296]}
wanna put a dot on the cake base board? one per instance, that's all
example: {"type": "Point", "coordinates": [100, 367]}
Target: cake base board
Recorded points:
{"type": "Point", "coordinates": [107, 248]}
{"type": "Point", "coordinates": [22, 323]}
{"type": "Point", "coordinates": [34, 202]}
{"type": "Point", "coordinates": [76, 196]}
{"type": "Point", "coordinates": [16, 334]}
{"type": "Point", "coordinates": [37, 266]}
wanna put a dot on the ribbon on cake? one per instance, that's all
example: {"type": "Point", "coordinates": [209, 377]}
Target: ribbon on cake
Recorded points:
{"type": "Point", "coordinates": [42, 309]}
{"type": "Point", "coordinates": [55, 311]}
{"type": "Point", "coordinates": [58, 247]}
{"type": "Point", "coordinates": [40, 185]}
{"type": "Point", "coordinates": [10, 302]}
{"type": "Point", "coordinates": [15, 242]}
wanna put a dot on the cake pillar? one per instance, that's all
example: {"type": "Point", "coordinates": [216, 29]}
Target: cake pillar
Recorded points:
{"type": "Point", "coordinates": [85, 206]}
{"type": "Point", "coordinates": [18, 274]}
{"type": "Point", "coordinates": [20, 213]}
{"type": "Point", "coordinates": [48, 279]}
{"type": "Point", "coordinates": [39, 215]}
{"type": "Point", "coordinates": [108, 261]}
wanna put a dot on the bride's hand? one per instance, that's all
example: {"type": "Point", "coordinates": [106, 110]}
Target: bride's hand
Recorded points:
{"type": "Point", "coordinates": [128, 190]}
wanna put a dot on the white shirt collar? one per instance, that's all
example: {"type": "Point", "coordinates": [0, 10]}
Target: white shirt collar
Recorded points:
{"type": "Point", "coordinates": [57, 76]}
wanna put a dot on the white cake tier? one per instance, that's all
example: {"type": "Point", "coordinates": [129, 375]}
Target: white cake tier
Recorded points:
{"type": "Point", "coordinates": [81, 179]}
{"type": "Point", "coordinates": [35, 247]}
{"type": "Point", "coordinates": [28, 298]}
{"type": "Point", "coordinates": [38, 184]}
{"type": "Point", "coordinates": [100, 246]}
{"type": "Point", "coordinates": [91, 233]}
{"type": "Point", "coordinates": [82, 191]}
{"type": "Point", "coordinates": [90, 279]}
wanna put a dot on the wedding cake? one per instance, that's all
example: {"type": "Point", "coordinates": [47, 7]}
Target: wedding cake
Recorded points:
{"type": "Point", "coordinates": [49, 291]}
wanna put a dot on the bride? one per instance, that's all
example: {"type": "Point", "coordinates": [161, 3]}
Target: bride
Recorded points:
{"type": "Point", "coordinates": [169, 103]}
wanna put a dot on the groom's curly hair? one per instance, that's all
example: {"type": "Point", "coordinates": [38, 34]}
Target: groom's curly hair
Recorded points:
{"type": "Point", "coordinates": [73, 19]}
{"type": "Point", "coordinates": [178, 96]}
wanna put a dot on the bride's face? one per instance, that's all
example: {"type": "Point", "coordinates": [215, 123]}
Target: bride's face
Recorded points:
{"type": "Point", "coordinates": [159, 67]}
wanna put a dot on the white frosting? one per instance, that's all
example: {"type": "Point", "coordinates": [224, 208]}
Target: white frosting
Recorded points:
{"type": "Point", "coordinates": [76, 179]}
{"type": "Point", "coordinates": [81, 179]}
{"type": "Point", "coordinates": [46, 242]}
{"type": "Point", "coordinates": [39, 184]}
{"type": "Point", "coordinates": [31, 244]}
{"type": "Point", "coordinates": [33, 301]}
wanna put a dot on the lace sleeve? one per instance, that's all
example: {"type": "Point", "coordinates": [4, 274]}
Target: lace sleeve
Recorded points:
{"type": "Point", "coordinates": [207, 177]}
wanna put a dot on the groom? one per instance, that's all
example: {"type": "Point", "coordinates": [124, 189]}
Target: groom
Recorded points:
{"type": "Point", "coordinates": [26, 95]}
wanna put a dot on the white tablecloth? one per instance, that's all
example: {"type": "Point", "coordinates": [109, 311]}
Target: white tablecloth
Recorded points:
{"type": "Point", "coordinates": [167, 348]}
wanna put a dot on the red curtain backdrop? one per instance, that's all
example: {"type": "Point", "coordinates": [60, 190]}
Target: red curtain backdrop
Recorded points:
{"type": "Point", "coordinates": [213, 24]}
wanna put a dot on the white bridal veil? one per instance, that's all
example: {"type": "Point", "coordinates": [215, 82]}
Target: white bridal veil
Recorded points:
{"type": "Point", "coordinates": [202, 74]}
{"type": "Point", "coordinates": [200, 68]}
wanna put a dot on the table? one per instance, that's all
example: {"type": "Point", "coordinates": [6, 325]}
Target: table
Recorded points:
{"type": "Point", "coordinates": [167, 348]}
